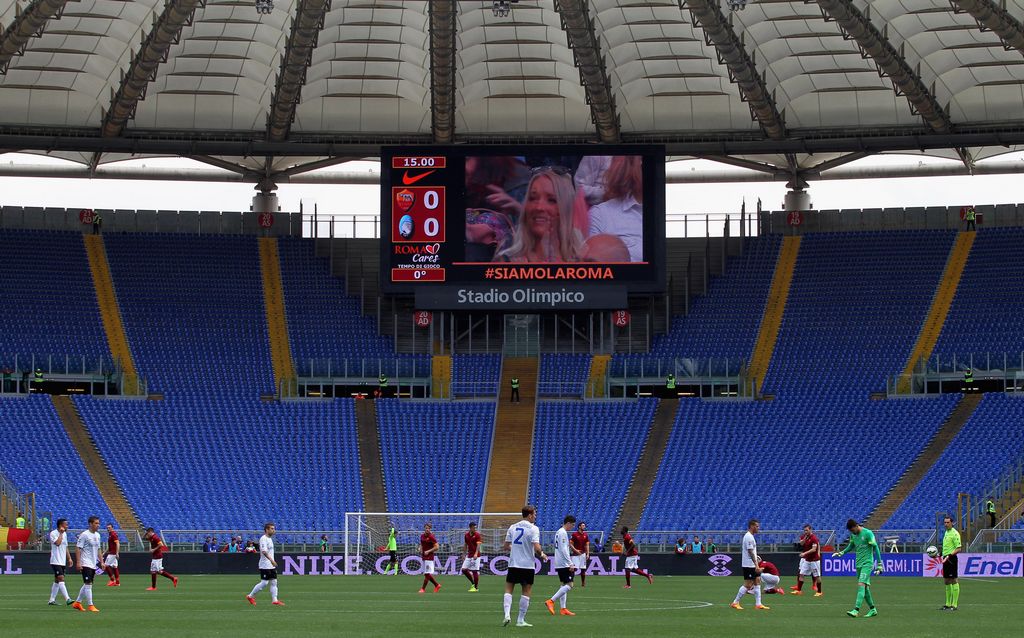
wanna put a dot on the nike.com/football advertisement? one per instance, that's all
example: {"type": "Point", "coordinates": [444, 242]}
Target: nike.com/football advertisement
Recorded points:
{"type": "Point", "coordinates": [534, 218]}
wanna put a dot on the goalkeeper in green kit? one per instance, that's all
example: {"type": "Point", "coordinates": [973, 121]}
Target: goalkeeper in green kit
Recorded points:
{"type": "Point", "coordinates": [869, 559]}
{"type": "Point", "coordinates": [392, 552]}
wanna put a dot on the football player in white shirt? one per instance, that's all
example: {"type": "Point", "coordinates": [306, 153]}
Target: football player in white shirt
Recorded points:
{"type": "Point", "coordinates": [565, 566]}
{"type": "Point", "coordinates": [87, 561]}
{"type": "Point", "coordinates": [522, 542]}
{"type": "Point", "coordinates": [268, 567]}
{"type": "Point", "coordinates": [60, 560]}
{"type": "Point", "coordinates": [751, 570]}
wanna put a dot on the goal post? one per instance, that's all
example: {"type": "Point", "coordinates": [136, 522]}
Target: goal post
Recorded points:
{"type": "Point", "coordinates": [366, 539]}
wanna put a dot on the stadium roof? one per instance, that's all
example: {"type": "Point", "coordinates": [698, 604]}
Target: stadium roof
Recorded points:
{"type": "Point", "coordinates": [786, 87]}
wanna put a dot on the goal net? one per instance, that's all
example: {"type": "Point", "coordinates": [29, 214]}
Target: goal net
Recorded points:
{"type": "Point", "coordinates": [366, 539]}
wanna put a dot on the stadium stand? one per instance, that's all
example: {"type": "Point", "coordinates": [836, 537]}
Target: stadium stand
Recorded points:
{"type": "Point", "coordinates": [584, 454]}
{"type": "Point", "coordinates": [38, 457]}
{"type": "Point", "coordinates": [985, 317]}
{"type": "Point", "coordinates": [193, 310]}
{"type": "Point", "coordinates": [192, 306]}
{"type": "Point", "coordinates": [988, 442]}
{"type": "Point", "coordinates": [435, 453]}
{"type": "Point", "coordinates": [199, 461]}
{"type": "Point", "coordinates": [722, 324]}
{"type": "Point", "coordinates": [47, 306]}
{"type": "Point", "coordinates": [563, 374]}
{"type": "Point", "coordinates": [786, 461]}
{"type": "Point", "coordinates": [319, 311]}
{"type": "Point", "coordinates": [855, 308]}
{"type": "Point", "coordinates": [475, 374]}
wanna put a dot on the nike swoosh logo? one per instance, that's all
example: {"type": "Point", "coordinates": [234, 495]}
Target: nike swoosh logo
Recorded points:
{"type": "Point", "coordinates": [415, 178]}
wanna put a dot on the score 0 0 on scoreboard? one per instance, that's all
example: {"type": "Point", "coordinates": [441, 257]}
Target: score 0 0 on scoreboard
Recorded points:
{"type": "Point", "coordinates": [418, 218]}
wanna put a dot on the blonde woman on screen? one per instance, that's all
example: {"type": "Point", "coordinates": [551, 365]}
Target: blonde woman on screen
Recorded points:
{"type": "Point", "coordinates": [545, 232]}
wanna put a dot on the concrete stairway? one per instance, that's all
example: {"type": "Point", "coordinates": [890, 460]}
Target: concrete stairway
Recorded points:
{"type": "Point", "coordinates": [110, 311]}
{"type": "Point", "coordinates": [277, 321]}
{"type": "Point", "coordinates": [95, 465]}
{"type": "Point", "coordinates": [508, 479]}
{"type": "Point", "coordinates": [925, 460]}
{"type": "Point", "coordinates": [941, 302]}
{"type": "Point", "coordinates": [647, 467]}
{"type": "Point", "coordinates": [371, 468]}
{"type": "Point", "coordinates": [774, 309]}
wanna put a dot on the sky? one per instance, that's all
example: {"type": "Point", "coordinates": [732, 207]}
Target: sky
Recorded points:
{"type": "Point", "coordinates": [365, 199]}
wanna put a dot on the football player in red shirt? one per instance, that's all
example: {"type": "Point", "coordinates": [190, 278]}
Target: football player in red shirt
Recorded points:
{"type": "Point", "coordinates": [157, 549]}
{"type": "Point", "coordinates": [110, 559]}
{"type": "Point", "coordinates": [428, 549]}
{"type": "Point", "coordinates": [580, 546]}
{"type": "Point", "coordinates": [632, 554]}
{"type": "Point", "coordinates": [810, 562]}
{"type": "Point", "coordinates": [471, 564]}
{"type": "Point", "coordinates": [770, 578]}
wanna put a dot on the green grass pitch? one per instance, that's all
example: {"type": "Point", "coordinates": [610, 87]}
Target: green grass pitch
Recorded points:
{"type": "Point", "coordinates": [389, 606]}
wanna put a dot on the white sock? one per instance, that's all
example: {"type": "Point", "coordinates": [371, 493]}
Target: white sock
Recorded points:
{"type": "Point", "coordinates": [63, 588]}
{"type": "Point", "coordinates": [88, 594]}
{"type": "Point", "coordinates": [53, 592]}
{"type": "Point", "coordinates": [757, 595]}
{"type": "Point", "coordinates": [507, 604]}
{"type": "Point", "coordinates": [273, 590]}
{"type": "Point", "coordinates": [524, 604]}
{"type": "Point", "coordinates": [81, 592]}
{"type": "Point", "coordinates": [257, 589]}
{"type": "Point", "coordinates": [564, 600]}
{"type": "Point", "coordinates": [739, 594]}
{"type": "Point", "coordinates": [562, 591]}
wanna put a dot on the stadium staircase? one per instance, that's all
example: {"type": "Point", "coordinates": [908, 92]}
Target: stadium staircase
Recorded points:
{"type": "Point", "coordinates": [440, 376]}
{"type": "Point", "coordinates": [774, 309]}
{"type": "Point", "coordinates": [647, 467]}
{"type": "Point", "coordinates": [1011, 501]}
{"type": "Point", "coordinates": [110, 312]}
{"type": "Point", "coordinates": [371, 468]}
{"type": "Point", "coordinates": [95, 464]}
{"type": "Point", "coordinates": [277, 321]}
{"type": "Point", "coordinates": [598, 371]}
{"type": "Point", "coordinates": [508, 476]}
{"type": "Point", "coordinates": [925, 460]}
{"type": "Point", "coordinates": [939, 310]}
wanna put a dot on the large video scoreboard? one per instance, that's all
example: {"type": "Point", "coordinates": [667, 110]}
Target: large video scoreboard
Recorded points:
{"type": "Point", "coordinates": [501, 218]}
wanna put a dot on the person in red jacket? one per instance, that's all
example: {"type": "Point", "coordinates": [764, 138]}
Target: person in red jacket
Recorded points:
{"type": "Point", "coordinates": [770, 578]}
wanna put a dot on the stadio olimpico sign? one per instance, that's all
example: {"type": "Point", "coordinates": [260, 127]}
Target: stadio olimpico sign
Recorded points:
{"type": "Point", "coordinates": [522, 297]}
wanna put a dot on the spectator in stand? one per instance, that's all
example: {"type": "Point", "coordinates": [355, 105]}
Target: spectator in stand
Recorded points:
{"type": "Point", "coordinates": [710, 546]}
{"type": "Point", "coordinates": [250, 547]}
{"type": "Point", "coordinates": [622, 213]}
{"type": "Point", "coordinates": [208, 546]}
{"type": "Point", "coordinates": [7, 379]}
{"type": "Point", "coordinates": [324, 545]}
{"type": "Point", "coordinates": [680, 546]}
{"type": "Point", "coordinates": [597, 546]}
{"type": "Point", "coordinates": [590, 178]}
{"type": "Point", "coordinates": [696, 546]}
{"type": "Point", "coordinates": [233, 546]}
{"type": "Point", "coordinates": [97, 223]}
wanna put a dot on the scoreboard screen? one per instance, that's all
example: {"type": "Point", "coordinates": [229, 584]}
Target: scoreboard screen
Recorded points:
{"type": "Point", "coordinates": [504, 216]}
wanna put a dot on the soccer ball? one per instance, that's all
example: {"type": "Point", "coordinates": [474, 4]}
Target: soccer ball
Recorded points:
{"type": "Point", "coordinates": [932, 551]}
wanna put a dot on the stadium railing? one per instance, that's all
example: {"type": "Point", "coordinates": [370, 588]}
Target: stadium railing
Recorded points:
{"type": "Point", "coordinates": [131, 540]}
{"type": "Point", "coordinates": [994, 541]}
{"type": "Point", "coordinates": [367, 226]}
{"type": "Point", "coordinates": [778, 541]}
{"type": "Point", "coordinates": [726, 541]}
{"type": "Point", "coordinates": [192, 540]}
{"type": "Point", "coordinates": [929, 375]}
